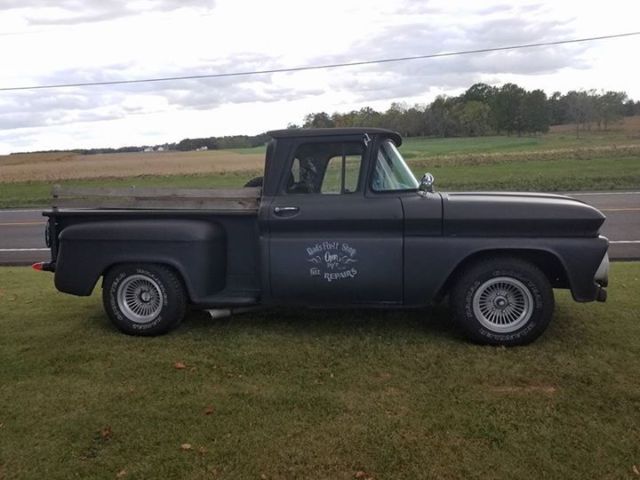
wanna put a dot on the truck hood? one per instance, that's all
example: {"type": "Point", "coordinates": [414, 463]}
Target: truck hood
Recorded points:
{"type": "Point", "coordinates": [518, 215]}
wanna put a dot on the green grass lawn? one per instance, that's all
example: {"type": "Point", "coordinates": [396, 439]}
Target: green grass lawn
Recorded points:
{"type": "Point", "coordinates": [316, 394]}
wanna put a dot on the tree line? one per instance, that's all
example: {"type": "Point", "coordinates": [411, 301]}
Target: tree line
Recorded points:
{"type": "Point", "coordinates": [481, 110]}
{"type": "Point", "coordinates": [184, 145]}
{"type": "Point", "coordinates": [484, 109]}
{"type": "Point", "coordinates": [214, 143]}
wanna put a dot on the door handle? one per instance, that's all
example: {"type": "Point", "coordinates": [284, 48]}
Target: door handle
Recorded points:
{"type": "Point", "coordinates": [285, 211]}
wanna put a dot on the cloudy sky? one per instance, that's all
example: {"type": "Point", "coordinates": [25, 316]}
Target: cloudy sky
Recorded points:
{"type": "Point", "coordinates": [96, 40]}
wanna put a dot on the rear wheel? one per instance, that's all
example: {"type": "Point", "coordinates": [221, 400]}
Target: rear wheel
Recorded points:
{"type": "Point", "coordinates": [143, 299]}
{"type": "Point", "coordinates": [502, 301]}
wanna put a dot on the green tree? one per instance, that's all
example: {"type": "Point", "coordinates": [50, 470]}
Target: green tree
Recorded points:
{"type": "Point", "coordinates": [558, 109]}
{"type": "Point", "coordinates": [610, 108]}
{"type": "Point", "coordinates": [441, 116]}
{"type": "Point", "coordinates": [580, 108]}
{"type": "Point", "coordinates": [472, 118]}
{"type": "Point", "coordinates": [318, 120]}
{"type": "Point", "coordinates": [480, 92]}
{"type": "Point", "coordinates": [536, 112]}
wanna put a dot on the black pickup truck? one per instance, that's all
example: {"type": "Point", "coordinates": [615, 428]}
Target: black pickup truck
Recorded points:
{"type": "Point", "coordinates": [338, 220]}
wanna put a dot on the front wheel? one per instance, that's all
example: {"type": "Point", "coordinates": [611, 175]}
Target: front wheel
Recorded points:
{"type": "Point", "coordinates": [502, 301]}
{"type": "Point", "coordinates": [143, 299]}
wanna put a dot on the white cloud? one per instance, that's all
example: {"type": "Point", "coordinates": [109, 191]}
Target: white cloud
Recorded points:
{"type": "Point", "coordinates": [81, 40]}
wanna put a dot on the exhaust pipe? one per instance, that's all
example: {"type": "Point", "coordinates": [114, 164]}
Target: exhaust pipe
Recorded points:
{"type": "Point", "coordinates": [227, 312]}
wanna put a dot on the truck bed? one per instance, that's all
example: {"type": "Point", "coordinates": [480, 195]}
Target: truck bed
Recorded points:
{"type": "Point", "coordinates": [211, 234]}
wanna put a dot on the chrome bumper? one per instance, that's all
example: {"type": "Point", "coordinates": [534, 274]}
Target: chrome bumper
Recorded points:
{"type": "Point", "coordinates": [601, 279]}
{"type": "Point", "coordinates": [602, 274]}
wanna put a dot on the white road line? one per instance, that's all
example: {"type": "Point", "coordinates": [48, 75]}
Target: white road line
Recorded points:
{"type": "Point", "coordinates": [24, 210]}
{"type": "Point", "coordinates": [587, 194]}
{"type": "Point", "coordinates": [624, 241]}
{"type": "Point", "coordinates": [3, 250]}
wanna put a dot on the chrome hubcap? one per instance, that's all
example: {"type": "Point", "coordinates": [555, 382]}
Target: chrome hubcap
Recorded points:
{"type": "Point", "coordinates": [139, 298]}
{"type": "Point", "coordinates": [503, 304]}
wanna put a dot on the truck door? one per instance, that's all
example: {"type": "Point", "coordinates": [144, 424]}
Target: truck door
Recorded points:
{"type": "Point", "coordinates": [330, 242]}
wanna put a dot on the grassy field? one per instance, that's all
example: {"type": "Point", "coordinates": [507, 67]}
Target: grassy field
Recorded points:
{"type": "Point", "coordinates": [316, 394]}
{"type": "Point", "coordinates": [557, 161]}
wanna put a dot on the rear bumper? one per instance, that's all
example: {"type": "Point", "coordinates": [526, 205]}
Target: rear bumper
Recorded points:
{"type": "Point", "coordinates": [601, 279]}
{"type": "Point", "coordinates": [601, 294]}
{"type": "Point", "coordinates": [602, 274]}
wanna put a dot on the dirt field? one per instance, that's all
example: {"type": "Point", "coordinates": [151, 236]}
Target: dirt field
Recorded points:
{"type": "Point", "coordinates": [629, 126]}
{"type": "Point", "coordinates": [62, 165]}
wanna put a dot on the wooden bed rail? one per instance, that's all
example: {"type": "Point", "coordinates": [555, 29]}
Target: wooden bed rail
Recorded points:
{"type": "Point", "coordinates": [225, 199]}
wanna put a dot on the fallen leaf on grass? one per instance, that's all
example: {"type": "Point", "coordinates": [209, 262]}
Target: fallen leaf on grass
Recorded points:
{"type": "Point", "coordinates": [209, 410]}
{"type": "Point", "coordinates": [636, 470]}
{"type": "Point", "coordinates": [186, 446]}
{"type": "Point", "coordinates": [361, 475]}
{"type": "Point", "coordinates": [106, 432]}
{"type": "Point", "coordinates": [179, 366]}
{"type": "Point", "coordinates": [121, 474]}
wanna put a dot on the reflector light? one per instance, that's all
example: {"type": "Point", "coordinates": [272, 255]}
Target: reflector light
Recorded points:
{"type": "Point", "coordinates": [37, 266]}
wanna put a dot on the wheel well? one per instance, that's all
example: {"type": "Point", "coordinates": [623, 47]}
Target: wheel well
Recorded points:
{"type": "Point", "coordinates": [165, 265]}
{"type": "Point", "coordinates": [547, 262]}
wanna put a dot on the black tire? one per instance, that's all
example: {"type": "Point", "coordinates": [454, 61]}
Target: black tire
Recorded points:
{"type": "Point", "coordinates": [255, 182]}
{"type": "Point", "coordinates": [143, 299]}
{"type": "Point", "coordinates": [502, 301]}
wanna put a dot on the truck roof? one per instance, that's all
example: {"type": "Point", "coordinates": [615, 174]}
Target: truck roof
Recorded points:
{"type": "Point", "coordinates": [322, 132]}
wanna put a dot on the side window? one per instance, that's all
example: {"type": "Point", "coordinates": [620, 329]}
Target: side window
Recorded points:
{"type": "Point", "coordinates": [295, 170]}
{"type": "Point", "coordinates": [334, 174]}
{"type": "Point", "coordinates": [325, 167]}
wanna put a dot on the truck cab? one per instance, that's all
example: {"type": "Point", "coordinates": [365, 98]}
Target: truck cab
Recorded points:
{"type": "Point", "coordinates": [334, 216]}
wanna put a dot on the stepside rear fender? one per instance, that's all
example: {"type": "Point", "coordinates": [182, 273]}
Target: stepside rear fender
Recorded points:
{"type": "Point", "coordinates": [195, 249]}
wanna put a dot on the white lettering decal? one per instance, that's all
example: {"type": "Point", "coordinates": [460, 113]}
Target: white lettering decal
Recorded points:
{"type": "Point", "coordinates": [332, 260]}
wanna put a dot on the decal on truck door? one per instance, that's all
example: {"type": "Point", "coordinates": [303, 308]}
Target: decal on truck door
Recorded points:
{"type": "Point", "coordinates": [332, 261]}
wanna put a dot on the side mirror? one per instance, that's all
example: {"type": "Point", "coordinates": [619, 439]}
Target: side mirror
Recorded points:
{"type": "Point", "coordinates": [426, 183]}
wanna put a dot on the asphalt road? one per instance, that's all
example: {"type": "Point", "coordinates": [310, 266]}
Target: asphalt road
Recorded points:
{"type": "Point", "coordinates": [22, 231]}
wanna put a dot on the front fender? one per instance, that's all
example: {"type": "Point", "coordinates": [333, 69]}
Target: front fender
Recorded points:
{"type": "Point", "coordinates": [431, 261]}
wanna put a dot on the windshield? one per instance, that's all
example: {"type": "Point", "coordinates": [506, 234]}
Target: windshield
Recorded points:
{"type": "Point", "coordinates": [391, 172]}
